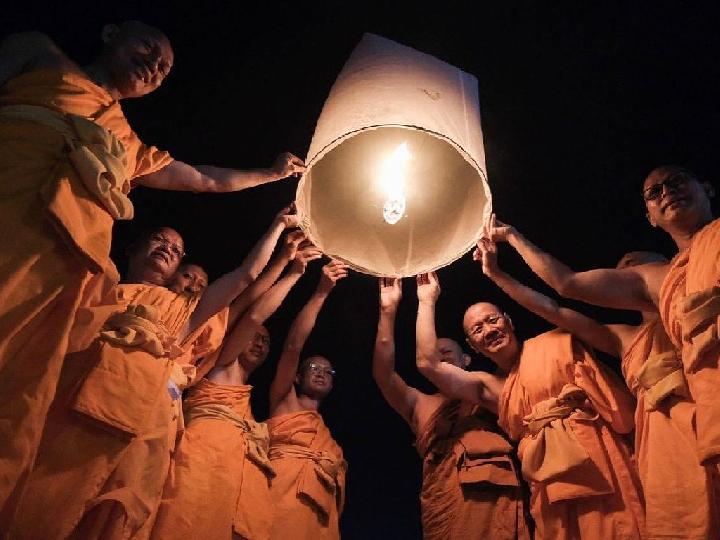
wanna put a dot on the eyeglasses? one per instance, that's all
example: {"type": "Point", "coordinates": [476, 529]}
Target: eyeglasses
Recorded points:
{"type": "Point", "coordinates": [491, 320]}
{"type": "Point", "coordinates": [175, 249]}
{"type": "Point", "coordinates": [319, 369]}
{"type": "Point", "coordinates": [674, 181]}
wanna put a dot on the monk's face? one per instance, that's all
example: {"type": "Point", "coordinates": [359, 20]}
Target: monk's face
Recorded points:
{"type": "Point", "coordinates": [675, 199]}
{"type": "Point", "coordinates": [190, 278]}
{"type": "Point", "coordinates": [488, 330]}
{"type": "Point", "coordinates": [136, 57]}
{"type": "Point", "coordinates": [451, 352]}
{"type": "Point", "coordinates": [256, 351]}
{"type": "Point", "coordinates": [316, 377]}
{"type": "Point", "coordinates": [160, 252]}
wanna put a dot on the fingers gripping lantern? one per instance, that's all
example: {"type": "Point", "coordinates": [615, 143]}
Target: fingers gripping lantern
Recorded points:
{"type": "Point", "coordinates": [396, 182]}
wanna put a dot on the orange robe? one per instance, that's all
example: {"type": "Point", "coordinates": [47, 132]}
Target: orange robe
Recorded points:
{"type": "Point", "coordinates": [105, 451]}
{"type": "Point", "coordinates": [679, 499]}
{"type": "Point", "coordinates": [568, 414]}
{"type": "Point", "coordinates": [471, 487]}
{"type": "Point", "coordinates": [690, 310]}
{"type": "Point", "coordinates": [308, 489]}
{"type": "Point", "coordinates": [55, 241]}
{"type": "Point", "coordinates": [219, 484]}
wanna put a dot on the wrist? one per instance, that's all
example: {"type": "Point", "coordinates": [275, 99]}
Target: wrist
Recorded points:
{"type": "Point", "coordinates": [388, 309]}
{"type": "Point", "coordinates": [427, 303]}
{"type": "Point", "coordinates": [514, 237]}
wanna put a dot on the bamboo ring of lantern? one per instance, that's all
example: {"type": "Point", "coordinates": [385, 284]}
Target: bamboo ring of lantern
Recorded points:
{"type": "Point", "coordinates": [396, 184]}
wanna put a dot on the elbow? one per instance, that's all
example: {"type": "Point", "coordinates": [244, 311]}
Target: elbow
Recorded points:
{"type": "Point", "coordinates": [566, 287]}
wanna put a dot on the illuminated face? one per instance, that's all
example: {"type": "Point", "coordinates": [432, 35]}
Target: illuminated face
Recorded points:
{"type": "Point", "coordinates": [256, 351]}
{"type": "Point", "coordinates": [316, 377]}
{"type": "Point", "coordinates": [160, 251]}
{"type": "Point", "coordinates": [452, 353]}
{"type": "Point", "coordinates": [675, 198]}
{"type": "Point", "coordinates": [137, 58]}
{"type": "Point", "coordinates": [190, 278]}
{"type": "Point", "coordinates": [488, 330]}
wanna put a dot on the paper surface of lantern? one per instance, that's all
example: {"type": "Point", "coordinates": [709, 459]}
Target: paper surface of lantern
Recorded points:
{"type": "Point", "coordinates": [396, 181]}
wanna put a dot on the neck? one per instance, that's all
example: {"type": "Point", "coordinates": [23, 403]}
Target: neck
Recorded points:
{"type": "Point", "coordinates": [144, 276]}
{"type": "Point", "coordinates": [309, 403]}
{"type": "Point", "coordinates": [98, 74]}
{"type": "Point", "coordinates": [232, 375]}
{"type": "Point", "coordinates": [683, 237]}
{"type": "Point", "coordinates": [507, 358]}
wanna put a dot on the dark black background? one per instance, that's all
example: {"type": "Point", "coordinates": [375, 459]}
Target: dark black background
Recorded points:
{"type": "Point", "coordinates": [579, 101]}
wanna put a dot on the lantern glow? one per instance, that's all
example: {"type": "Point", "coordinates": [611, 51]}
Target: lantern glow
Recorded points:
{"type": "Point", "coordinates": [392, 181]}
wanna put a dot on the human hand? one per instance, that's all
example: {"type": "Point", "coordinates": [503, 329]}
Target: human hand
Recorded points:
{"type": "Point", "coordinates": [305, 254]}
{"type": "Point", "coordinates": [486, 254]}
{"type": "Point", "coordinates": [390, 292]}
{"type": "Point", "coordinates": [290, 245]}
{"type": "Point", "coordinates": [428, 287]}
{"type": "Point", "coordinates": [497, 231]}
{"type": "Point", "coordinates": [287, 217]}
{"type": "Point", "coordinates": [287, 164]}
{"type": "Point", "coordinates": [332, 272]}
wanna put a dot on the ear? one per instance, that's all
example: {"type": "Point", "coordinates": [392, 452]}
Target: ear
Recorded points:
{"type": "Point", "coordinates": [509, 320]}
{"type": "Point", "coordinates": [709, 189]}
{"type": "Point", "coordinates": [109, 33]}
{"type": "Point", "coordinates": [466, 360]}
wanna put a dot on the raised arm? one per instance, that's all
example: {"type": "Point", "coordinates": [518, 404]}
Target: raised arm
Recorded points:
{"type": "Point", "coordinates": [264, 307]}
{"type": "Point", "coordinates": [588, 330]}
{"type": "Point", "coordinates": [627, 288]}
{"type": "Point", "coordinates": [179, 176]}
{"type": "Point", "coordinates": [221, 292]}
{"type": "Point", "coordinates": [268, 277]}
{"type": "Point", "coordinates": [398, 394]}
{"type": "Point", "coordinates": [299, 331]}
{"type": "Point", "coordinates": [453, 382]}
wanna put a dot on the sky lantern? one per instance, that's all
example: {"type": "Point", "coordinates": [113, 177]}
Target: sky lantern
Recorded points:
{"type": "Point", "coordinates": [396, 182]}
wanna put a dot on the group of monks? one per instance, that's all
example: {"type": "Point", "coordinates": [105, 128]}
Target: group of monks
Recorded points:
{"type": "Point", "coordinates": [125, 403]}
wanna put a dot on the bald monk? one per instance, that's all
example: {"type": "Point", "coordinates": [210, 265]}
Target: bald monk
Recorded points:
{"type": "Point", "coordinates": [115, 419]}
{"type": "Point", "coordinates": [680, 499]}
{"type": "Point", "coordinates": [68, 159]}
{"type": "Point", "coordinates": [471, 487]}
{"type": "Point", "coordinates": [309, 483]}
{"type": "Point", "coordinates": [568, 414]}
{"type": "Point", "coordinates": [219, 484]}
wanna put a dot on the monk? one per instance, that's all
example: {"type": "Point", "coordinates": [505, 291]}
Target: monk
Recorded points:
{"type": "Point", "coordinates": [219, 484]}
{"type": "Point", "coordinates": [471, 486]}
{"type": "Point", "coordinates": [68, 159]}
{"type": "Point", "coordinates": [309, 483]}
{"type": "Point", "coordinates": [115, 419]}
{"type": "Point", "coordinates": [568, 414]}
{"type": "Point", "coordinates": [680, 500]}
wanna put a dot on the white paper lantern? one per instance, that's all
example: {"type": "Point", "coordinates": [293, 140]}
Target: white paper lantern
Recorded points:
{"type": "Point", "coordinates": [396, 181]}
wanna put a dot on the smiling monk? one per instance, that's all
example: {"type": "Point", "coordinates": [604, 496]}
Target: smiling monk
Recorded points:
{"type": "Point", "coordinates": [68, 159]}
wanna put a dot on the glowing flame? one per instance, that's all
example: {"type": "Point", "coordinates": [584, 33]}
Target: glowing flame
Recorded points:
{"type": "Point", "coordinates": [392, 181]}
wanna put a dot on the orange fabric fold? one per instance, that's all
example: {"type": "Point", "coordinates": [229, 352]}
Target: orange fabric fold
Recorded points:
{"type": "Point", "coordinates": [602, 501]}
{"type": "Point", "coordinates": [214, 490]}
{"type": "Point", "coordinates": [470, 484]}
{"type": "Point", "coordinates": [54, 247]}
{"type": "Point", "coordinates": [110, 432]}
{"type": "Point", "coordinates": [308, 489]}
{"type": "Point", "coordinates": [690, 311]}
{"type": "Point", "coordinates": [679, 493]}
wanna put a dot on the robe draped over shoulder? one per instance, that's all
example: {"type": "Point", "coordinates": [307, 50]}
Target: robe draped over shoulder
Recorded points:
{"type": "Point", "coordinates": [569, 415]}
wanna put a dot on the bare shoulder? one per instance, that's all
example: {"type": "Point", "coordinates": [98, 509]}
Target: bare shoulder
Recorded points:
{"type": "Point", "coordinates": [653, 274]}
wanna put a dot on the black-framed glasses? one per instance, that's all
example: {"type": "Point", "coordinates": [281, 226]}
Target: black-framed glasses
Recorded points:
{"type": "Point", "coordinates": [674, 181]}
{"type": "Point", "coordinates": [175, 249]}
{"type": "Point", "coordinates": [319, 369]}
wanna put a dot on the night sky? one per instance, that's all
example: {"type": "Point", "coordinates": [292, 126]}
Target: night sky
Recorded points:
{"type": "Point", "coordinates": [579, 101]}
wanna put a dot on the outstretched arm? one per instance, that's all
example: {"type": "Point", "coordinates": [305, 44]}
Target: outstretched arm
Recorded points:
{"type": "Point", "coordinates": [264, 307]}
{"type": "Point", "coordinates": [268, 277]}
{"type": "Point", "coordinates": [221, 292]}
{"type": "Point", "coordinates": [588, 330]}
{"type": "Point", "coordinates": [452, 381]}
{"type": "Point", "coordinates": [398, 394]}
{"type": "Point", "coordinates": [625, 288]}
{"type": "Point", "coordinates": [299, 331]}
{"type": "Point", "coordinates": [179, 176]}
